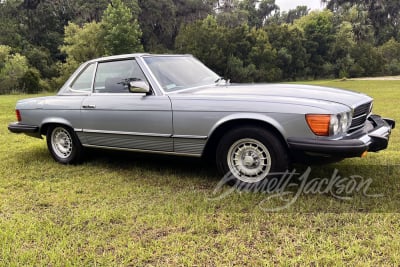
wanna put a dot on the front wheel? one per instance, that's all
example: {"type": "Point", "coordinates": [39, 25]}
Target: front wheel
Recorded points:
{"type": "Point", "coordinates": [64, 145]}
{"type": "Point", "coordinates": [250, 155]}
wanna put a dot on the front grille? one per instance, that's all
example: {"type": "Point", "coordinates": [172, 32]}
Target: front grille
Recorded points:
{"type": "Point", "coordinates": [360, 116]}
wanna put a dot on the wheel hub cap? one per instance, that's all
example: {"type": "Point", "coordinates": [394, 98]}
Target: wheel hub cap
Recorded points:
{"type": "Point", "coordinates": [249, 160]}
{"type": "Point", "coordinates": [61, 142]}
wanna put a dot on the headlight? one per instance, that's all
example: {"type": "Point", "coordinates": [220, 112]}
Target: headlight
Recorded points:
{"type": "Point", "coordinates": [345, 121]}
{"type": "Point", "coordinates": [340, 123]}
{"type": "Point", "coordinates": [326, 125]}
{"type": "Point", "coordinates": [334, 125]}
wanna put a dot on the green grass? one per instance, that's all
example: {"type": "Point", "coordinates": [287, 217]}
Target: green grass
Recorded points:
{"type": "Point", "coordinates": [131, 209]}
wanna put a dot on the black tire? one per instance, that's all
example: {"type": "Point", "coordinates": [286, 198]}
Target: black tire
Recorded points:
{"type": "Point", "coordinates": [64, 145]}
{"type": "Point", "coordinates": [248, 155]}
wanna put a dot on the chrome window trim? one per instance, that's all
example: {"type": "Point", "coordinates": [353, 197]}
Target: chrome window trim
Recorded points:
{"type": "Point", "coordinates": [154, 83]}
{"type": "Point", "coordinates": [190, 137]}
{"type": "Point", "coordinates": [136, 58]}
{"type": "Point", "coordinates": [94, 76]}
{"type": "Point", "coordinates": [126, 133]}
{"type": "Point", "coordinates": [159, 85]}
{"type": "Point", "coordinates": [120, 94]}
{"type": "Point", "coordinates": [70, 89]}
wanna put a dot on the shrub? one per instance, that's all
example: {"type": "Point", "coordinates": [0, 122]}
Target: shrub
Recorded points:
{"type": "Point", "coordinates": [30, 81]}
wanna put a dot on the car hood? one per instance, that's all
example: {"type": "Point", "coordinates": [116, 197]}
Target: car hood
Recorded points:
{"type": "Point", "coordinates": [285, 93]}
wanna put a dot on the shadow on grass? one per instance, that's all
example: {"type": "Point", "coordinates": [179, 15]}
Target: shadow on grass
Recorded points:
{"type": "Point", "coordinates": [185, 166]}
{"type": "Point", "coordinates": [380, 194]}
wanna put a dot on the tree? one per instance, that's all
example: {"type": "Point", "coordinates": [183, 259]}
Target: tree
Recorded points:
{"type": "Point", "coordinates": [342, 49]}
{"type": "Point", "coordinates": [122, 32]}
{"type": "Point", "coordinates": [362, 29]}
{"type": "Point", "coordinates": [158, 22]}
{"type": "Point", "coordinates": [92, 10]}
{"type": "Point", "coordinates": [390, 52]}
{"type": "Point", "coordinates": [367, 61]}
{"type": "Point", "coordinates": [83, 43]}
{"type": "Point", "coordinates": [233, 19]}
{"type": "Point", "coordinates": [258, 11]}
{"type": "Point", "coordinates": [188, 11]}
{"type": "Point", "coordinates": [12, 68]}
{"type": "Point", "coordinates": [41, 59]}
{"type": "Point", "coordinates": [293, 14]}
{"type": "Point", "coordinates": [241, 53]}
{"type": "Point", "coordinates": [80, 44]}
{"type": "Point", "coordinates": [117, 33]}
{"type": "Point", "coordinates": [206, 40]}
{"type": "Point", "coordinates": [263, 56]}
{"type": "Point", "coordinates": [319, 37]}
{"type": "Point", "coordinates": [11, 33]}
{"type": "Point", "coordinates": [384, 15]}
{"type": "Point", "coordinates": [291, 56]}
{"type": "Point", "coordinates": [30, 81]}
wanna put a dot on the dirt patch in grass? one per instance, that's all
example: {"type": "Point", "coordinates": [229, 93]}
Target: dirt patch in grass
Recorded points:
{"type": "Point", "coordinates": [383, 78]}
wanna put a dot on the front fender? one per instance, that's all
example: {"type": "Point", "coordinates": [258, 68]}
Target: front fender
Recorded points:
{"type": "Point", "coordinates": [251, 117]}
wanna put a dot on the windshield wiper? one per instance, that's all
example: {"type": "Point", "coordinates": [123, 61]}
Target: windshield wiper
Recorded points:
{"type": "Point", "coordinates": [218, 80]}
{"type": "Point", "coordinates": [222, 81]}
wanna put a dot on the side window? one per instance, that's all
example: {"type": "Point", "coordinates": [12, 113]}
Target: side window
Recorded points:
{"type": "Point", "coordinates": [114, 76]}
{"type": "Point", "coordinates": [83, 82]}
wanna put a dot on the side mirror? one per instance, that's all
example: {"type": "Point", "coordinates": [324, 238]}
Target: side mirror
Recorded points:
{"type": "Point", "coordinates": [139, 87]}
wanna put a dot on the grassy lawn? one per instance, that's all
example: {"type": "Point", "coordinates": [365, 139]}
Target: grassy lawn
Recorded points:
{"type": "Point", "coordinates": [132, 209]}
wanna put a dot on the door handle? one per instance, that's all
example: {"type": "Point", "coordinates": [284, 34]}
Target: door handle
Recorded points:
{"type": "Point", "coordinates": [89, 106]}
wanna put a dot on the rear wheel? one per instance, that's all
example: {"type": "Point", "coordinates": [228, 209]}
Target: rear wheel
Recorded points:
{"type": "Point", "coordinates": [250, 155]}
{"type": "Point", "coordinates": [64, 145]}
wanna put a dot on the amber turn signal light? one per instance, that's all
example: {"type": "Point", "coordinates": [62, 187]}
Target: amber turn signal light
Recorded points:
{"type": "Point", "coordinates": [319, 123]}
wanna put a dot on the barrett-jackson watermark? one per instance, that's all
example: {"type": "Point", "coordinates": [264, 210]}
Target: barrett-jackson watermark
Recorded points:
{"type": "Point", "coordinates": [280, 186]}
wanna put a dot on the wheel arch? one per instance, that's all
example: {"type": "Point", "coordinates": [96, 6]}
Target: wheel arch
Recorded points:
{"type": "Point", "coordinates": [242, 120]}
{"type": "Point", "coordinates": [53, 121]}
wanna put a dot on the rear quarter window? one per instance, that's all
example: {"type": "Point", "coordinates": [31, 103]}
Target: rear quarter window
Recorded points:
{"type": "Point", "coordinates": [83, 82]}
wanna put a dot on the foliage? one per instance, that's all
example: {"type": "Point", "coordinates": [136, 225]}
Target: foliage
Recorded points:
{"type": "Point", "coordinates": [258, 11]}
{"type": "Point", "coordinates": [294, 14]}
{"type": "Point", "coordinates": [382, 15]}
{"type": "Point", "coordinates": [83, 43]}
{"type": "Point", "coordinates": [350, 39]}
{"type": "Point", "coordinates": [157, 20]}
{"type": "Point", "coordinates": [13, 70]}
{"type": "Point", "coordinates": [121, 33]}
{"type": "Point", "coordinates": [206, 40]}
{"type": "Point", "coordinates": [30, 81]}
{"type": "Point", "coordinates": [319, 38]}
{"type": "Point", "coordinates": [240, 53]}
{"type": "Point", "coordinates": [80, 44]}
{"type": "Point", "coordinates": [390, 52]}
{"type": "Point", "coordinates": [292, 56]}
{"type": "Point", "coordinates": [117, 33]}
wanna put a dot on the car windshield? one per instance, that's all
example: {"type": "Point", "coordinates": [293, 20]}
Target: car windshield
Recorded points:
{"type": "Point", "coordinates": [180, 72]}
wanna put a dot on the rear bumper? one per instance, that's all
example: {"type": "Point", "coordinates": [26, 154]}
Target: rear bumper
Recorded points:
{"type": "Point", "coordinates": [375, 137]}
{"type": "Point", "coordinates": [30, 130]}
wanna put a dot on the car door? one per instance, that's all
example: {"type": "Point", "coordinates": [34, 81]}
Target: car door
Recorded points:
{"type": "Point", "coordinates": [115, 118]}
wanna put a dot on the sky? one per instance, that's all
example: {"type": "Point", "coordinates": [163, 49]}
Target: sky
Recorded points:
{"type": "Point", "coordinates": [285, 5]}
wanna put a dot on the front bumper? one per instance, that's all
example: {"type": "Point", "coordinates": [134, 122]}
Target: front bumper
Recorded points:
{"type": "Point", "coordinates": [373, 138]}
{"type": "Point", "coordinates": [30, 130]}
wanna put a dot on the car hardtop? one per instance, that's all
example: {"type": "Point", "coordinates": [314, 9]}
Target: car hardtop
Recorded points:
{"type": "Point", "coordinates": [134, 55]}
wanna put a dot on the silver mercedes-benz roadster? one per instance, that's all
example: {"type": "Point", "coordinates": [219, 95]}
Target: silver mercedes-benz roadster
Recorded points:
{"type": "Point", "coordinates": [173, 104]}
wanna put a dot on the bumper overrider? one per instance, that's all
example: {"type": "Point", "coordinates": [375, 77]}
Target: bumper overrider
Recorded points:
{"type": "Point", "coordinates": [30, 130]}
{"type": "Point", "coordinates": [373, 138]}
